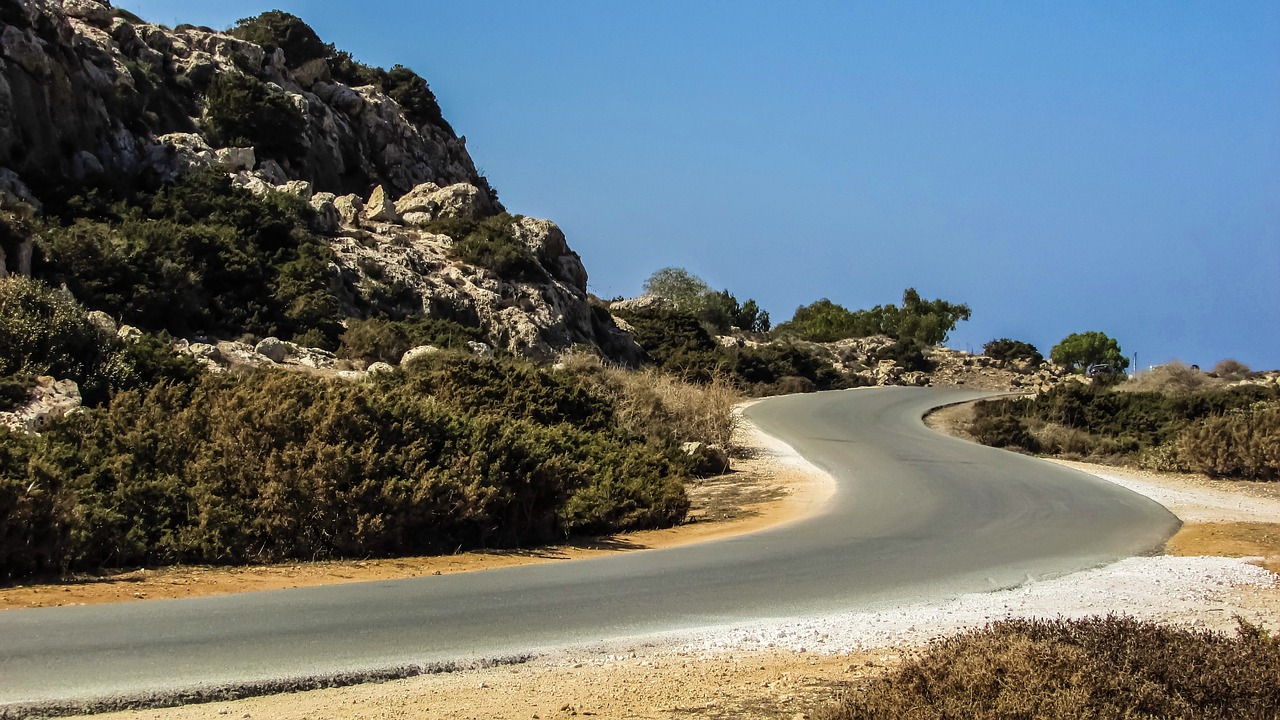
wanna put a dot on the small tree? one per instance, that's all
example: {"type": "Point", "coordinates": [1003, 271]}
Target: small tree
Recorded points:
{"type": "Point", "coordinates": [821, 321]}
{"type": "Point", "coordinates": [1078, 351]}
{"type": "Point", "coordinates": [275, 29]}
{"type": "Point", "coordinates": [681, 288]}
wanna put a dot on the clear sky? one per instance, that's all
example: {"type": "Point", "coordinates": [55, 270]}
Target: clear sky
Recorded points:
{"type": "Point", "coordinates": [1060, 167]}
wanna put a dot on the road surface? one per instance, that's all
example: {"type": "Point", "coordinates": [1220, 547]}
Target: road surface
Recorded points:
{"type": "Point", "coordinates": [917, 516]}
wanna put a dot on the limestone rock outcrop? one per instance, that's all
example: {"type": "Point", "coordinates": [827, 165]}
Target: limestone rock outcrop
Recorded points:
{"type": "Point", "coordinates": [49, 400]}
{"type": "Point", "coordinates": [88, 93]}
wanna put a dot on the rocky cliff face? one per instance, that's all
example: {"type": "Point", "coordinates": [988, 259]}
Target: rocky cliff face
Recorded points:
{"type": "Point", "coordinates": [91, 95]}
{"type": "Point", "coordinates": [86, 92]}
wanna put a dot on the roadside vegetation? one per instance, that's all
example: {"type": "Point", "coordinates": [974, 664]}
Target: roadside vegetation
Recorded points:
{"type": "Point", "coordinates": [1094, 668]}
{"type": "Point", "coordinates": [171, 464]}
{"type": "Point", "coordinates": [1173, 418]}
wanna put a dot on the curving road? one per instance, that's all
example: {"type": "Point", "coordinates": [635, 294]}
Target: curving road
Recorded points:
{"type": "Point", "coordinates": [917, 515]}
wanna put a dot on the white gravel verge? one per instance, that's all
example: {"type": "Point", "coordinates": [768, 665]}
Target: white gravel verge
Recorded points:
{"type": "Point", "coordinates": [1196, 591]}
{"type": "Point", "coordinates": [1162, 589]}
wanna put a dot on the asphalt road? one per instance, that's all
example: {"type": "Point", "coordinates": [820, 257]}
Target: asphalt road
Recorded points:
{"type": "Point", "coordinates": [917, 516]}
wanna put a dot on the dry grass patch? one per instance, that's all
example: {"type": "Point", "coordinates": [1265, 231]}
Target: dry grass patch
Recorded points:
{"type": "Point", "coordinates": [1094, 668]}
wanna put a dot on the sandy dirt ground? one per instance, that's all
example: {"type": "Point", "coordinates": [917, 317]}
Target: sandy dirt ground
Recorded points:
{"type": "Point", "coordinates": [789, 667]}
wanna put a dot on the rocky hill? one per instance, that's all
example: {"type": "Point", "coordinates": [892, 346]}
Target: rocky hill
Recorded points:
{"type": "Point", "coordinates": [93, 99]}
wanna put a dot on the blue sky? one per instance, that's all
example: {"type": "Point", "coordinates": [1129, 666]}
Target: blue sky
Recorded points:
{"type": "Point", "coordinates": [1060, 167]}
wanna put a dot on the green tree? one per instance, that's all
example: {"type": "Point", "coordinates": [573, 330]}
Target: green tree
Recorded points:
{"type": "Point", "coordinates": [822, 321]}
{"type": "Point", "coordinates": [684, 290]}
{"type": "Point", "coordinates": [927, 321]}
{"type": "Point", "coordinates": [1078, 351]}
{"type": "Point", "coordinates": [276, 29]}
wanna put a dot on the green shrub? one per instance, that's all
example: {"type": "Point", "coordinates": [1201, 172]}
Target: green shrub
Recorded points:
{"type": "Point", "coordinates": [908, 354]}
{"type": "Point", "coordinates": [1003, 431]}
{"type": "Point", "coordinates": [199, 256]}
{"type": "Point", "coordinates": [926, 322]}
{"type": "Point", "coordinates": [780, 368]}
{"type": "Point", "coordinates": [379, 339]}
{"type": "Point", "coordinates": [1114, 425]}
{"type": "Point", "coordinates": [1093, 668]}
{"type": "Point", "coordinates": [823, 321]}
{"type": "Point", "coordinates": [242, 110]}
{"type": "Point", "coordinates": [1009, 350]}
{"type": "Point", "coordinates": [270, 466]}
{"type": "Point", "coordinates": [15, 390]}
{"type": "Point", "coordinates": [491, 243]}
{"type": "Point", "coordinates": [45, 332]}
{"type": "Point", "coordinates": [276, 29]}
{"type": "Point", "coordinates": [1078, 351]}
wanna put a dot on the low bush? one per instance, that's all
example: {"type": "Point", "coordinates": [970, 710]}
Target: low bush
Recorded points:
{"type": "Point", "coordinates": [1093, 668]}
{"type": "Point", "coordinates": [269, 466]}
{"type": "Point", "coordinates": [44, 332]}
{"type": "Point", "coordinates": [275, 29]}
{"type": "Point", "coordinates": [15, 390]}
{"type": "Point", "coordinates": [1231, 370]}
{"type": "Point", "coordinates": [1003, 431]}
{"type": "Point", "coordinates": [241, 110]}
{"type": "Point", "coordinates": [1223, 430]}
{"type": "Point", "coordinates": [383, 340]}
{"type": "Point", "coordinates": [1010, 350]}
{"type": "Point", "coordinates": [660, 407]}
{"type": "Point", "coordinates": [1174, 378]}
{"type": "Point", "coordinates": [197, 257]}
{"type": "Point", "coordinates": [491, 243]}
{"type": "Point", "coordinates": [927, 322]}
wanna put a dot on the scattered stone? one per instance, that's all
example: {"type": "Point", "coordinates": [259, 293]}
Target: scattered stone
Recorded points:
{"type": "Point", "coordinates": [379, 208]}
{"type": "Point", "coordinates": [103, 322]}
{"type": "Point", "coordinates": [707, 460]}
{"type": "Point", "coordinates": [416, 352]}
{"type": "Point", "coordinates": [275, 349]}
{"type": "Point", "coordinates": [48, 401]}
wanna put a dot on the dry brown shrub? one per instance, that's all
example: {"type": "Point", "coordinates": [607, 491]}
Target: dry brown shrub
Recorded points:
{"type": "Point", "coordinates": [1057, 439]}
{"type": "Point", "coordinates": [1174, 378]}
{"type": "Point", "coordinates": [1093, 668]}
{"type": "Point", "coordinates": [1230, 369]}
{"type": "Point", "coordinates": [1241, 444]}
{"type": "Point", "coordinates": [652, 401]}
{"type": "Point", "coordinates": [661, 406]}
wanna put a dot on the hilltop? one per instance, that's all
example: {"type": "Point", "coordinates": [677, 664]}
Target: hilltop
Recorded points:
{"type": "Point", "coordinates": [104, 116]}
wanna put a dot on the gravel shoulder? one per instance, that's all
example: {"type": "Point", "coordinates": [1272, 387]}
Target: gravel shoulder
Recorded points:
{"type": "Point", "coordinates": [787, 667]}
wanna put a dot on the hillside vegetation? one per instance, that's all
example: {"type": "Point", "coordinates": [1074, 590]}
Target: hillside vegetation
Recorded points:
{"type": "Point", "coordinates": [178, 465]}
{"type": "Point", "coordinates": [1178, 420]}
